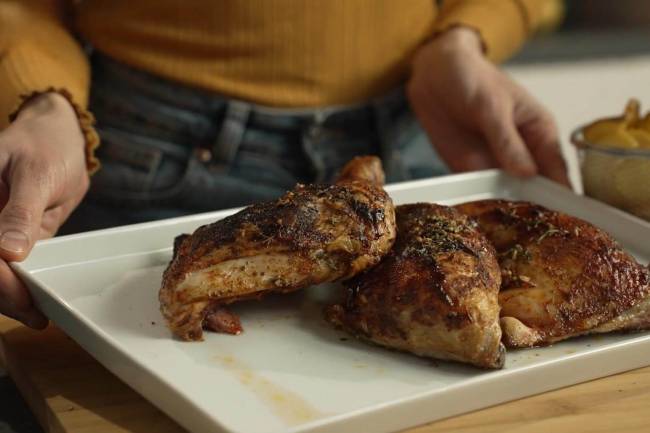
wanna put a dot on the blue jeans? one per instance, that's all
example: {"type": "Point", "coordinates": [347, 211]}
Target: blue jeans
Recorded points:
{"type": "Point", "coordinates": [169, 150]}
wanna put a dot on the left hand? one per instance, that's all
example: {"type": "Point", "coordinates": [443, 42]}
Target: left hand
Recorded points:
{"type": "Point", "coordinates": [476, 116]}
{"type": "Point", "coordinates": [44, 178]}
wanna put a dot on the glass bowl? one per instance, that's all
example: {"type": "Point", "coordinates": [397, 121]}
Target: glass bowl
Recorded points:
{"type": "Point", "coordinates": [617, 176]}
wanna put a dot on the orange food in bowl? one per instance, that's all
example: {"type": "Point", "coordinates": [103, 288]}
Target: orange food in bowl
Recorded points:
{"type": "Point", "coordinates": [615, 160]}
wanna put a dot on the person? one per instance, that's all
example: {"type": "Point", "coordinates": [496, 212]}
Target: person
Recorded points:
{"type": "Point", "coordinates": [212, 104]}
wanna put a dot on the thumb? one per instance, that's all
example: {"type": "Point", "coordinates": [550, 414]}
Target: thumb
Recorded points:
{"type": "Point", "coordinates": [507, 146]}
{"type": "Point", "coordinates": [20, 219]}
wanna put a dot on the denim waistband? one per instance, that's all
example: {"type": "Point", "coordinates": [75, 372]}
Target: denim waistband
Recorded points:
{"type": "Point", "coordinates": [171, 147]}
{"type": "Point", "coordinates": [212, 104]}
{"type": "Point", "coordinates": [198, 119]}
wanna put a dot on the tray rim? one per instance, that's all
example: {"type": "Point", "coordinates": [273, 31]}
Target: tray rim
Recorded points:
{"type": "Point", "coordinates": [84, 331]}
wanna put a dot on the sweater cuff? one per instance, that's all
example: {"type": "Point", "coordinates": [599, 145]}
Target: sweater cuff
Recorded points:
{"type": "Point", "coordinates": [502, 27]}
{"type": "Point", "coordinates": [86, 123]}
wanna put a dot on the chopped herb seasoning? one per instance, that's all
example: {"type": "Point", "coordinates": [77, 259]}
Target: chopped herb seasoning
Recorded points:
{"type": "Point", "coordinates": [516, 252]}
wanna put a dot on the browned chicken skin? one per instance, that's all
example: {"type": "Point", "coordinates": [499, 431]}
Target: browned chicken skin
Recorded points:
{"type": "Point", "coordinates": [435, 293]}
{"type": "Point", "coordinates": [312, 234]}
{"type": "Point", "coordinates": [562, 277]}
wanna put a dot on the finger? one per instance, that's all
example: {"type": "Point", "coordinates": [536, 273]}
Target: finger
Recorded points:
{"type": "Point", "coordinates": [52, 220]}
{"type": "Point", "coordinates": [539, 131]}
{"type": "Point", "coordinates": [460, 149]}
{"type": "Point", "coordinates": [498, 126]}
{"type": "Point", "coordinates": [545, 148]}
{"type": "Point", "coordinates": [54, 217]}
{"type": "Point", "coordinates": [15, 301]}
{"type": "Point", "coordinates": [20, 219]}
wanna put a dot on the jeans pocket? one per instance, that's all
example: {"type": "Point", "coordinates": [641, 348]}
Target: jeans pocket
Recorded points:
{"type": "Point", "coordinates": [139, 171]}
{"type": "Point", "coordinates": [140, 103]}
{"type": "Point", "coordinates": [210, 187]}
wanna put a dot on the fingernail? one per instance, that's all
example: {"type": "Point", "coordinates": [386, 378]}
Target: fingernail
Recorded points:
{"type": "Point", "coordinates": [14, 241]}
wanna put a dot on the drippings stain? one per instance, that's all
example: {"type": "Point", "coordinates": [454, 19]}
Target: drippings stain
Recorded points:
{"type": "Point", "coordinates": [285, 404]}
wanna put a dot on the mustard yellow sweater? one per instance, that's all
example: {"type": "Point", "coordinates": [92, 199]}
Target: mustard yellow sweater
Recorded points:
{"type": "Point", "coordinates": [287, 53]}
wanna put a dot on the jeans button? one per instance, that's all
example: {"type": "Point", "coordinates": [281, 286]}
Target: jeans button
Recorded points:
{"type": "Point", "coordinates": [314, 131]}
{"type": "Point", "coordinates": [204, 155]}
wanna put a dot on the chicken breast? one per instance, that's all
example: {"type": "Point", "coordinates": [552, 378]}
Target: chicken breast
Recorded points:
{"type": "Point", "coordinates": [312, 234]}
{"type": "Point", "coordinates": [434, 295]}
{"type": "Point", "coordinates": [561, 276]}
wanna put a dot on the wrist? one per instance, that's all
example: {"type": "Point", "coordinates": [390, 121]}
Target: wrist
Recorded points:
{"type": "Point", "coordinates": [459, 39]}
{"type": "Point", "coordinates": [46, 104]}
{"type": "Point", "coordinates": [55, 108]}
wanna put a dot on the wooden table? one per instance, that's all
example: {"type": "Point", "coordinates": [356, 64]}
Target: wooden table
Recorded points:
{"type": "Point", "coordinates": [70, 392]}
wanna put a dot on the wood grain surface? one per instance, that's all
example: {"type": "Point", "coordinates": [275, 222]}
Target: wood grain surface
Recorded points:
{"type": "Point", "coordinates": [70, 392]}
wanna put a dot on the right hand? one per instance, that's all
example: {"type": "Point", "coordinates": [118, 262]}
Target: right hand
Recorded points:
{"type": "Point", "coordinates": [44, 178]}
{"type": "Point", "coordinates": [477, 116]}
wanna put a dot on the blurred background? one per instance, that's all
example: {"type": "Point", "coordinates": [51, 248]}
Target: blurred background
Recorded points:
{"type": "Point", "coordinates": [587, 29]}
{"type": "Point", "coordinates": [607, 13]}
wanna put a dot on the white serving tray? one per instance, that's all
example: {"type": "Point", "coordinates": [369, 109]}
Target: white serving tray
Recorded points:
{"type": "Point", "coordinates": [289, 371]}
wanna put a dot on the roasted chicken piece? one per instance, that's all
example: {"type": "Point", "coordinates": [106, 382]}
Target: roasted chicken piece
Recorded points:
{"type": "Point", "coordinates": [435, 293]}
{"type": "Point", "coordinates": [312, 234]}
{"type": "Point", "coordinates": [562, 277]}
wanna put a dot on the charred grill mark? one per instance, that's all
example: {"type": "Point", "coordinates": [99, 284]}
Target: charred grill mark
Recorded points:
{"type": "Point", "coordinates": [371, 214]}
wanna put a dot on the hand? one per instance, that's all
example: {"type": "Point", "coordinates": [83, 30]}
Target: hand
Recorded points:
{"type": "Point", "coordinates": [43, 179]}
{"type": "Point", "coordinates": [476, 116]}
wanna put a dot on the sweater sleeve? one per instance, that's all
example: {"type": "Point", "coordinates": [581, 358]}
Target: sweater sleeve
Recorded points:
{"type": "Point", "coordinates": [503, 25]}
{"type": "Point", "coordinates": [38, 54]}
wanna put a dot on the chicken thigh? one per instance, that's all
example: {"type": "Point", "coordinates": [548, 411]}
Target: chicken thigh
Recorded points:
{"type": "Point", "coordinates": [435, 293]}
{"type": "Point", "coordinates": [312, 234]}
{"type": "Point", "coordinates": [562, 277]}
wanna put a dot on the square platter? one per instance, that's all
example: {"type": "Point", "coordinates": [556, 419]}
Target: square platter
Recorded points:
{"type": "Point", "coordinates": [290, 371]}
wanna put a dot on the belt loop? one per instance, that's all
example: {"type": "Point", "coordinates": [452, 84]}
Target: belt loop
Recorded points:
{"type": "Point", "coordinates": [312, 138]}
{"type": "Point", "coordinates": [320, 117]}
{"type": "Point", "coordinates": [232, 131]}
{"type": "Point", "coordinates": [385, 126]}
